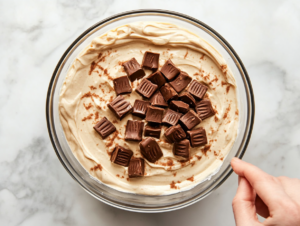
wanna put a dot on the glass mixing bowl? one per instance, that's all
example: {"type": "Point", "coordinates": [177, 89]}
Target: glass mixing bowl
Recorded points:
{"type": "Point", "coordinates": [144, 203]}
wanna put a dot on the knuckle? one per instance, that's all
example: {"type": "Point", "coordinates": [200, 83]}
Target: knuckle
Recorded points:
{"type": "Point", "coordinates": [282, 178]}
{"type": "Point", "coordinates": [291, 208]}
{"type": "Point", "coordinates": [296, 181]}
{"type": "Point", "coordinates": [235, 202]}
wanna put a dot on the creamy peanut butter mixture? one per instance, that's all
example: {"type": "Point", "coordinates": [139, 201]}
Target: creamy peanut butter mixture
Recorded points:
{"type": "Point", "coordinates": [88, 88]}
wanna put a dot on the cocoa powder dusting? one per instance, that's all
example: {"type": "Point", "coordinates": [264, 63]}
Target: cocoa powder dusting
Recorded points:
{"type": "Point", "coordinates": [206, 149]}
{"type": "Point", "coordinates": [216, 118]}
{"type": "Point", "coordinates": [186, 54]}
{"type": "Point", "coordinates": [227, 88]}
{"type": "Point", "coordinates": [226, 112]}
{"type": "Point", "coordinates": [87, 107]}
{"type": "Point", "coordinates": [111, 139]}
{"type": "Point", "coordinates": [86, 95]}
{"type": "Point", "coordinates": [173, 185]}
{"type": "Point", "coordinates": [87, 117]}
{"type": "Point", "coordinates": [214, 80]}
{"type": "Point", "coordinates": [92, 87]}
{"type": "Point", "coordinates": [97, 167]}
{"type": "Point", "coordinates": [168, 163]}
{"type": "Point", "coordinates": [224, 68]}
{"type": "Point", "coordinates": [96, 115]}
{"type": "Point", "coordinates": [198, 157]}
{"type": "Point", "coordinates": [191, 179]}
{"type": "Point", "coordinates": [108, 76]}
{"type": "Point", "coordinates": [93, 66]}
{"type": "Point", "coordinates": [174, 174]}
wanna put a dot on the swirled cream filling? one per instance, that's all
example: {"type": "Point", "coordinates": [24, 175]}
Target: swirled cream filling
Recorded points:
{"type": "Point", "coordinates": [88, 88]}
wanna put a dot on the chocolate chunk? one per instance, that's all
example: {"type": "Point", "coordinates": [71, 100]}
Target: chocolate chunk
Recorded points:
{"type": "Point", "coordinates": [150, 150]}
{"type": "Point", "coordinates": [152, 131]}
{"type": "Point", "coordinates": [188, 98]}
{"type": "Point", "coordinates": [146, 88]}
{"type": "Point", "coordinates": [121, 156]}
{"type": "Point", "coordinates": [197, 137]}
{"type": "Point", "coordinates": [157, 78]}
{"type": "Point", "coordinates": [204, 109]}
{"type": "Point", "coordinates": [122, 85]}
{"type": "Point", "coordinates": [134, 130]}
{"type": "Point", "coordinates": [168, 93]}
{"type": "Point", "coordinates": [171, 117]}
{"type": "Point", "coordinates": [158, 100]}
{"type": "Point", "coordinates": [136, 167]}
{"type": "Point", "coordinates": [133, 69]}
{"type": "Point", "coordinates": [140, 108]}
{"type": "Point", "coordinates": [175, 133]}
{"type": "Point", "coordinates": [169, 70]}
{"type": "Point", "coordinates": [197, 89]}
{"type": "Point", "coordinates": [182, 148]}
{"type": "Point", "coordinates": [104, 127]}
{"type": "Point", "coordinates": [120, 107]}
{"type": "Point", "coordinates": [189, 120]}
{"type": "Point", "coordinates": [154, 114]}
{"type": "Point", "coordinates": [150, 60]}
{"type": "Point", "coordinates": [179, 106]}
{"type": "Point", "coordinates": [181, 82]}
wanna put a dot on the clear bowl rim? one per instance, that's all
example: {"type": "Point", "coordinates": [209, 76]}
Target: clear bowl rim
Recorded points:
{"type": "Point", "coordinates": [193, 199]}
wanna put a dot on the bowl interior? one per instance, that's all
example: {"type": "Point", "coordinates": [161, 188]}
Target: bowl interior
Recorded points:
{"type": "Point", "coordinates": [143, 203]}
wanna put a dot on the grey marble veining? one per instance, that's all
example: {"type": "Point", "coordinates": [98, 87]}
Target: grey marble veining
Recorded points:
{"type": "Point", "coordinates": [34, 187]}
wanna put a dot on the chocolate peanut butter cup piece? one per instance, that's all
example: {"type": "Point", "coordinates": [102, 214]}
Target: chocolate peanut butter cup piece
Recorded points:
{"type": "Point", "coordinates": [158, 100]}
{"type": "Point", "coordinates": [146, 88]}
{"type": "Point", "coordinates": [120, 107]}
{"type": "Point", "coordinates": [136, 167]}
{"type": "Point", "coordinates": [154, 114]}
{"type": "Point", "coordinates": [150, 150]}
{"type": "Point", "coordinates": [204, 109]}
{"type": "Point", "coordinates": [175, 133]}
{"type": "Point", "coordinates": [171, 117]}
{"type": "Point", "coordinates": [181, 82]}
{"type": "Point", "coordinates": [122, 85]}
{"type": "Point", "coordinates": [169, 70]}
{"type": "Point", "coordinates": [197, 137]}
{"type": "Point", "coordinates": [152, 131]}
{"type": "Point", "coordinates": [197, 89]}
{"type": "Point", "coordinates": [134, 130]}
{"type": "Point", "coordinates": [133, 69]}
{"type": "Point", "coordinates": [168, 93]}
{"type": "Point", "coordinates": [186, 97]}
{"type": "Point", "coordinates": [189, 120]}
{"type": "Point", "coordinates": [140, 108]}
{"type": "Point", "coordinates": [157, 78]}
{"type": "Point", "coordinates": [182, 148]}
{"type": "Point", "coordinates": [179, 106]}
{"type": "Point", "coordinates": [121, 156]}
{"type": "Point", "coordinates": [104, 127]}
{"type": "Point", "coordinates": [150, 60]}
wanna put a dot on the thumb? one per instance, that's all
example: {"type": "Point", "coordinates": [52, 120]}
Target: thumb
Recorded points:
{"type": "Point", "coordinates": [243, 204]}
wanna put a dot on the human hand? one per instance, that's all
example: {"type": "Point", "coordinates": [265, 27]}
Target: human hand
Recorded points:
{"type": "Point", "coordinates": [275, 198]}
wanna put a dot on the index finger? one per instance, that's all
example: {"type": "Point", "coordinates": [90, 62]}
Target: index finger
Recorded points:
{"type": "Point", "coordinates": [266, 186]}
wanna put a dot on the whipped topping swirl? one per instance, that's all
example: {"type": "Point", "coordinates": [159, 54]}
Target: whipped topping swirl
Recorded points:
{"type": "Point", "coordinates": [88, 88]}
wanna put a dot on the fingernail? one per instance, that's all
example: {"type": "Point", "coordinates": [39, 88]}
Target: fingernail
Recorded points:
{"type": "Point", "coordinates": [235, 159]}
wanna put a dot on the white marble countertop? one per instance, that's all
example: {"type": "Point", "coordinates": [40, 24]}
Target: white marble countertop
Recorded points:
{"type": "Point", "coordinates": [34, 187]}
